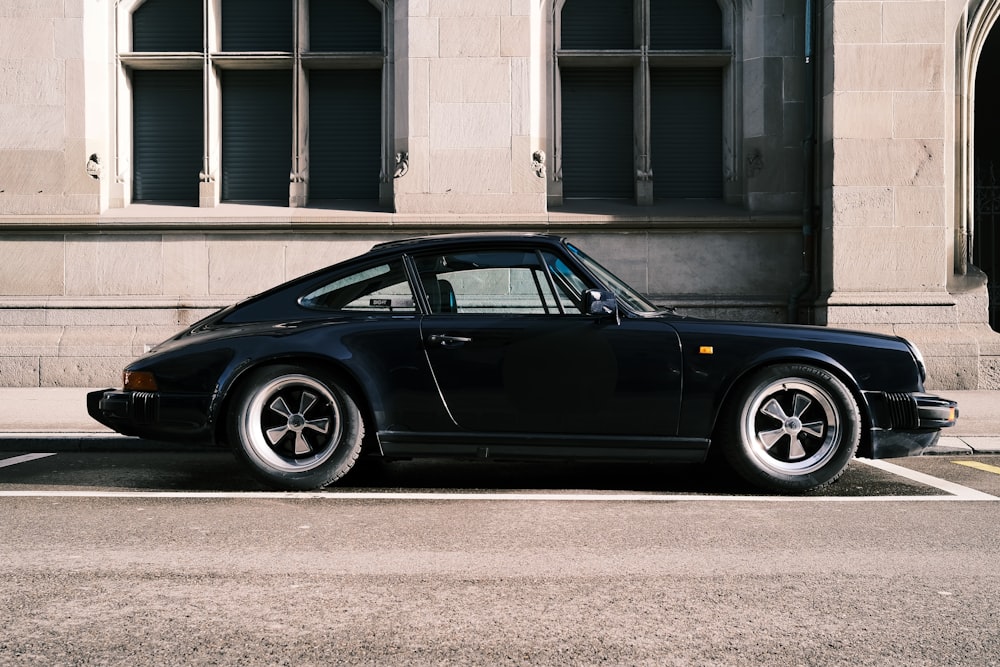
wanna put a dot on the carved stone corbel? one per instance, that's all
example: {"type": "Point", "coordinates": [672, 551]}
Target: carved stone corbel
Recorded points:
{"type": "Point", "coordinates": [538, 163]}
{"type": "Point", "coordinates": [402, 164]}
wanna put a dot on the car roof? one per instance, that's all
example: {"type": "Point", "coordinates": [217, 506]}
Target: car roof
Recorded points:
{"type": "Point", "coordinates": [423, 242]}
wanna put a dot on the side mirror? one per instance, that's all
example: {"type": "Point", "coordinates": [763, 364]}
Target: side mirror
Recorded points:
{"type": "Point", "coordinates": [600, 302]}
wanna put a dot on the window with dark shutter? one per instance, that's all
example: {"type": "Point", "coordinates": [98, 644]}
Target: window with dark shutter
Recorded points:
{"type": "Point", "coordinates": [257, 25]}
{"type": "Point", "coordinates": [166, 135]}
{"type": "Point", "coordinates": [641, 99]}
{"type": "Point", "coordinates": [344, 26]}
{"type": "Point", "coordinates": [344, 134]}
{"type": "Point", "coordinates": [598, 24]}
{"type": "Point", "coordinates": [686, 133]}
{"type": "Point", "coordinates": [597, 133]}
{"type": "Point", "coordinates": [168, 25]}
{"type": "Point", "coordinates": [256, 135]}
{"type": "Point", "coordinates": [282, 103]}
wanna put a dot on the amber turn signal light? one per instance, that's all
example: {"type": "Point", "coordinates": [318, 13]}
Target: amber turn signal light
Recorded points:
{"type": "Point", "coordinates": [139, 381]}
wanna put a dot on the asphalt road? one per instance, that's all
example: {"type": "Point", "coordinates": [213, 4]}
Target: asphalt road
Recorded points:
{"type": "Point", "coordinates": [127, 558]}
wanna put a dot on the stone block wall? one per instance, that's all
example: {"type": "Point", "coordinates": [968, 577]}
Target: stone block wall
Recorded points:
{"type": "Point", "coordinates": [470, 121]}
{"type": "Point", "coordinates": [43, 145]}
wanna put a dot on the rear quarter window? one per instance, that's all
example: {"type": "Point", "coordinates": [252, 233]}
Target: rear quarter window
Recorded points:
{"type": "Point", "coordinates": [380, 289]}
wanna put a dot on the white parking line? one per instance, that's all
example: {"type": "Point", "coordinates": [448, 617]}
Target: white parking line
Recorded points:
{"type": "Point", "coordinates": [491, 497]}
{"type": "Point", "coordinates": [64, 435]}
{"type": "Point", "coordinates": [957, 490]}
{"type": "Point", "coordinates": [14, 460]}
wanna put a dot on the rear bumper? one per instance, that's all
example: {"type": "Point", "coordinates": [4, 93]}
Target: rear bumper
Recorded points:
{"type": "Point", "coordinates": [153, 415]}
{"type": "Point", "coordinates": [905, 424]}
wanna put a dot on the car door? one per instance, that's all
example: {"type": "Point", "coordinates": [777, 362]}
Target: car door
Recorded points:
{"type": "Point", "coordinates": [374, 330]}
{"type": "Point", "coordinates": [511, 350]}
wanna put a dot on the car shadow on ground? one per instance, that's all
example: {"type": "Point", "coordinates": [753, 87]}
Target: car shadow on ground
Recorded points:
{"type": "Point", "coordinates": [219, 471]}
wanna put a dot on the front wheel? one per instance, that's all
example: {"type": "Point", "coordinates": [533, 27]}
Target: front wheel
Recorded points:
{"type": "Point", "coordinates": [792, 428]}
{"type": "Point", "coordinates": [294, 428]}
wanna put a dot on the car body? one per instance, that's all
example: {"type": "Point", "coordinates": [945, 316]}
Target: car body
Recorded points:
{"type": "Point", "coordinates": [517, 346]}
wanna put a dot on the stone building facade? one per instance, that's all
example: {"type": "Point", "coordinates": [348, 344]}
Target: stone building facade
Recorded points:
{"type": "Point", "coordinates": [816, 161]}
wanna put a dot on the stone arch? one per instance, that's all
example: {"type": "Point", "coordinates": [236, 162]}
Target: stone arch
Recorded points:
{"type": "Point", "coordinates": [977, 46]}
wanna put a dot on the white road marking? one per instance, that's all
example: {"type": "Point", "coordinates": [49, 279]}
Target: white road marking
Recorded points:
{"type": "Point", "coordinates": [957, 490]}
{"type": "Point", "coordinates": [14, 460]}
{"type": "Point", "coordinates": [64, 435]}
{"type": "Point", "coordinates": [517, 496]}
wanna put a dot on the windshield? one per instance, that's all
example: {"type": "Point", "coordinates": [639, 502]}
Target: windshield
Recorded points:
{"type": "Point", "coordinates": [632, 300]}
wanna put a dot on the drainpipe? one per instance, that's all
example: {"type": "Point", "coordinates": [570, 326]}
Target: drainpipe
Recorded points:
{"type": "Point", "coordinates": [810, 204]}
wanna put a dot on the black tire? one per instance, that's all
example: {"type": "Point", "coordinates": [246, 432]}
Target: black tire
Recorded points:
{"type": "Point", "coordinates": [294, 428]}
{"type": "Point", "coordinates": [792, 428]}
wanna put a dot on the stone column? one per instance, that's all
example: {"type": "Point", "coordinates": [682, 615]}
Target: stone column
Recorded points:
{"type": "Point", "coordinates": [465, 71]}
{"type": "Point", "coordinates": [886, 240]}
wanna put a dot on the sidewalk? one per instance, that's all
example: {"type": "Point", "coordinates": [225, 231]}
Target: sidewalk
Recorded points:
{"type": "Point", "coordinates": [50, 418]}
{"type": "Point", "coordinates": [978, 428]}
{"type": "Point", "coordinates": [55, 419]}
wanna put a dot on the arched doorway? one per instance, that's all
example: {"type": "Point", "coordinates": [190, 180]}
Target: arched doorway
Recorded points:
{"type": "Point", "coordinates": [986, 230]}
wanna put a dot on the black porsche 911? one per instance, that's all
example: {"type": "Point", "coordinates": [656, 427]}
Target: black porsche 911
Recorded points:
{"type": "Point", "coordinates": [517, 346]}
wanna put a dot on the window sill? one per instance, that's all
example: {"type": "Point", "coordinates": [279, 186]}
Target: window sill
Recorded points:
{"type": "Point", "coordinates": [667, 213]}
{"type": "Point", "coordinates": [573, 216]}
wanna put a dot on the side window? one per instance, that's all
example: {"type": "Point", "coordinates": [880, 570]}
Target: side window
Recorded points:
{"type": "Point", "coordinates": [508, 282]}
{"type": "Point", "coordinates": [380, 289]}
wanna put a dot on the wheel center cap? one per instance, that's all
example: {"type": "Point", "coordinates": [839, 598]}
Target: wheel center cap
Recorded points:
{"type": "Point", "coordinates": [296, 422]}
{"type": "Point", "coordinates": [793, 424]}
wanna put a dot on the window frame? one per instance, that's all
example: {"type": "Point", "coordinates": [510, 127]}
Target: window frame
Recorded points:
{"type": "Point", "coordinates": [213, 62]}
{"type": "Point", "coordinates": [641, 59]}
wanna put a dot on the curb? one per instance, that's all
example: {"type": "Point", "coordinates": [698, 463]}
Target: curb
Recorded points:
{"type": "Point", "coordinates": [965, 446]}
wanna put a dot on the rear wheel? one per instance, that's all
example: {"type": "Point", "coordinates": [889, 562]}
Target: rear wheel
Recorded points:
{"type": "Point", "coordinates": [296, 429]}
{"type": "Point", "coordinates": [792, 428]}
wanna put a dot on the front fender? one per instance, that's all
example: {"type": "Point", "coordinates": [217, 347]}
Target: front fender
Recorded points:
{"type": "Point", "coordinates": [710, 382]}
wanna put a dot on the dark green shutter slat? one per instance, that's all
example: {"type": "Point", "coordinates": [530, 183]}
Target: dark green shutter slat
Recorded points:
{"type": "Point", "coordinates": [597, 24]}
{"type": "Point", "coordinates": [256, 135]}
{"type": "Point", "coordinates": [685, 24]}
{"type": "Point", "coordinates": [167, 135]}
{"type": "Point", "coordinates": [686, 123]}
{"type": "Point", "coordinates": [345, 132]}
{"type": "Point", "coordinates": [597, 133]}
{"type": "Point", "coordinates": [257, 25]}
{"type": "Point", "coordinates": [168, 25]}
{"type": "Point", "coordinates": [344, 25]}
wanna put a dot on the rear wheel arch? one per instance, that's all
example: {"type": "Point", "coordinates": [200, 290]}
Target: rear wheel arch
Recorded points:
{"type": "Point", "coordinates": [296, 426]}
{"type": "Point", "coordinates": [332, 368]}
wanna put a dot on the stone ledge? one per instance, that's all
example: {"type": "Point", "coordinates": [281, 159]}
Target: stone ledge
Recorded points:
{"type": "Point", "coordinates": [54, 371]}
{"type": "Point", "coordinates": [890, 299]}
{"type": "Point", "coordinates": [80, 341]}
{"type": "Point", "coordinates": [231, 217]}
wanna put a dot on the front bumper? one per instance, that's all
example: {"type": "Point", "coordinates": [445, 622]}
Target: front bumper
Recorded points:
{"type": "Point", "coordinates": [153, 415]}
{"type": "Point", "coordinates": [905, 424]}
